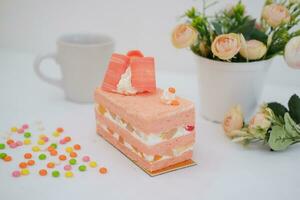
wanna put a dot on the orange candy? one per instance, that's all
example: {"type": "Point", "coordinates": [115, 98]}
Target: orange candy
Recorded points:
{"type": "Point", "coordinates": [77, 147]}
{"type": "Point", "coordinates": [67, 139]}
{"type": "Point", "coordinates": [50, 148]}
{"type": "Point", "coordinates": [73, 154]}
{"type": "Point", "coordinates": [175, 102]}
{"type": "Point", "coordinates": [103, 170]}
{"type": "Point", "coordinates": [43, 172]}
{"type": "Point", "coordinates": [62, 157]}
{"type": "Point", "coordinates": [60, 130]}
{"type": "Point", "coordinates": [50, 165]}
{"type": "Point", "coordinates": [23, 165]}
{"type": "Point", "coordinates": [172, 90]}
{"type": "Point", "coordinates": [30, 162]}
{"type": "Point", "coordinates": [10, 141]}
{"type": "Point", "coordinates": [27, 155]}
{"type": "Point", "coordinates": [53, 152]}
{"type": "Point", "coordinates": [7, 158]}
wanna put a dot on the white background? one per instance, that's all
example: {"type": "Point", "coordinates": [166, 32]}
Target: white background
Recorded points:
{"type": "Point", "coordinates": [224, 171]}
{"type": "Point", "coordinates": [34, 25]}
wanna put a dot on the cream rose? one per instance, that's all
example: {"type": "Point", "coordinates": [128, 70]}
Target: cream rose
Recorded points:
{"type": "Point", "coordinates": [184, 35]}
{"type": "Point", "coordinates": [226, 46]}
{"type": "Point", "coordinates": [253, 50]}
{"type": "Point", "coordinates": [259, 121]}
{"type": "Point", "coordinates": [292, 52]}
{"type": "Point", "coordinates": [276, 14]}
{"type": "Point", "coordinates": [233, 121]}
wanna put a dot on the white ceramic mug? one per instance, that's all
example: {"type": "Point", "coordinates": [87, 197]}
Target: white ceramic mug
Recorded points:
{"type": "Point", "coordinates": [83, 59]}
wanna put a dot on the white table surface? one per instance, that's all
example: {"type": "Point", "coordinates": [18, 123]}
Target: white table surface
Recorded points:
{"type": "Point", "coordinates": [225, 170]}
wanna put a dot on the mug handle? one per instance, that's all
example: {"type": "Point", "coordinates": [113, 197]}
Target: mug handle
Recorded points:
{"type": "Point", "coordinates": [37, 69]}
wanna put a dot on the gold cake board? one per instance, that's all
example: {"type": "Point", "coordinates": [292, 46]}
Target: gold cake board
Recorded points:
{"type": "Point", "coordinates": [171, 168]}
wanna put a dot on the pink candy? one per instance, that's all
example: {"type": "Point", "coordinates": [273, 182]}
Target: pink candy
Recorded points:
{"type": "Point", "coordinates": [13, 145]}
{"type": "Point", "coordinates": [86, 158]}
{"type": "Point", "coordinates": [16, 173]}
{"type": "Point", "coordinates": [46, 139]}
{"type": "Point", "coordinates": [25, 126]}
{"type": "Point", "coordinates": [19, 143]}
{"type": "Point", "coordinates": [62, 141]}
{"type": "Point", "coordinates": [20, 130]}
{"type": "Point", "coordinates": [67, 167]}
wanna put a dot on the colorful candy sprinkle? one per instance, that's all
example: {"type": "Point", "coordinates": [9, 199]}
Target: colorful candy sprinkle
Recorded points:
{"type": "Point", "coordinates": [41, 142]}
{"type": "Point", "coordinates": [2, 146]}
{"type": "Point", "coordinates": [103, 170]}
{"type": "Point", "coordinates": [54, 145]}
{"type": "Point", "coordinates": [53, 152]}
{"type": "Point", "coordinates": [56, 134]}
{"type": "Point", "coordinates": [19, 143]}
{"type": "Point", "coordinates": [27, 141]}
{"type": "Point", "coordinates": [69, 149]}
{"type": "Point", "coordinates": [20, 130]}
{"type": "Point", "coordinates": [82, 168]}
{"type": "Point", "coordinates": [62, 157]}
{"type": "Point", "coordinates": [60, 130]}
{"type": "Point", "coordinates": [27, 155]}
{"type": "Point", "coordinates": [55, 173]}
{"type": "Point", "coordinates": [72, 161]}
{"type": "Point", "coordinates": [85, 158]}
{"type": "Point", "coordinates": [10, 141]}
{"type": "Point", "coordinates": [77, 147]}
{"type": "Point", "coordinates": [50, 165]}
{"type": "Point", "coordinates": [93, 164]}
{"type": "Point", "coordinates": [69, 174]}
{"type": "Point", "coordinates": [36, 149]}
{"type": "Point", "coordinates": [42, 156]}
{"type": "Point", "coordinates": [27, 135]}
{"type": "Point", "coordinates": [73, 154]}
{"type": "Point", "coordinates": [14, 129]}
{"type": "Point", "coordinates": [25, 126]}
{"type": "Point", "coordinates": [23, 165]}
{"type": "Point", "coordinates": [30, 162]}
{"type": "Point", "coordinates": [7, 158]}
{"type": "Point", "coordinates": [43, 172]}
{"type": "Point", "coordinates": [25, 172]}
{"type": "Point", "coordinates": [16, 173]}
{"type": "Point", "coordinates": [3, 155]}
{"type": "Point", "coordinates": [67, 167]}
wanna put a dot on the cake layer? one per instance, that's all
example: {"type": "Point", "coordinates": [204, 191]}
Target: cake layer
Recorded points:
{"type": "Point", "coordinates": [146, 112]}
{"type": "Point", "coordinates": [149, 139]}
{"type": "Point", "coordinates": [164, 148]}
{"type": "Point", "coordinates": [151, 166]}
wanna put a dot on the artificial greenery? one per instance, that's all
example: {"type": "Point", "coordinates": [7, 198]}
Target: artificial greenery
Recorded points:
{"type": "Point", "coordinates": [235, 20]}
{"type": "Point", "coordinates": [283, 131]}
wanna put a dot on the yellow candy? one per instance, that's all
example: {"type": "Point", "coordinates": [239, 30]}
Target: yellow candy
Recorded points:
{"type": "Point", "coordinates": [93, 164]}
{"type": "Point", "coordinates": [41, 142]}
{"type": "Point", "coordinates": [56, 134]}
{"type": "Point", "coordinates": [25, 172]}
{"type": "Point", "coordinates": [14, 129]}
{"type": "Point", "coordinates": [36, 148]}
{"type": "Point", "coordinates": [69, 174]}
{"type": "Point", "coordinates": [69, 149]}
{"type": "Point", "coordinates": [27, 141]}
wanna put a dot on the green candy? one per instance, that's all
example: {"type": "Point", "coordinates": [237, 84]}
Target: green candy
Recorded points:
{"type": "Point", "coordinates": [27, 135]}
{"type": "Point", "coordinates": [55, 173]}
{"type": "Point", "coordinates": [42, 156]}
{"type": "Point", "coordinates": [2, 146]}
{"type": "Point", "coordinates": [72, 161]}
{"type": "Point", "coordinates": [2, 155]}
{"type": "Point", "coordinates": [82, 168]}
{"type": "Point", "coordinates": [54, 145]}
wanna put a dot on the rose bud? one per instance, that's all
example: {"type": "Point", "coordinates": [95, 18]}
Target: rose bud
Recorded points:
{"type": "Point", "coordinates": [233, 121]}
{"type": "Point", "coordinates": [275, 14]}
{"type": "Point", "coordinates": [226, 46]}
{"type": "Point", "coordinates": [292, 52]}
{"type": "Point", "coordinates": [253, 50]}
{"type": "Point", "coordinates": [184, 35]}
{"type": "Point", "coordinates": [259, 121]}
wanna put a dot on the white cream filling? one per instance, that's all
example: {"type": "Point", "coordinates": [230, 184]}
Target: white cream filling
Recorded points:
{"type": "Point", "coordinates": [150, 158]}
{"type": "Point", "coordinates": [149, 139]}
{"type": "Point", "coordinates": [124, 86]}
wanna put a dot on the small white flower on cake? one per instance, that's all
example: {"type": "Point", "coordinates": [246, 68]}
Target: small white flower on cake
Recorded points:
{"type": "Point", "coordinates": [169, 97]}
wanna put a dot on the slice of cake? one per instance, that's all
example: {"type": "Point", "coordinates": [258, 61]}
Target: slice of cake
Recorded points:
{"type": "Point", "coordinates": [154, 128]}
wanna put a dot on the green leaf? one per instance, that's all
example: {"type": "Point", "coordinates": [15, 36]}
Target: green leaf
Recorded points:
{"type": "Point", "coordinates": [294, 106]}
{"type": "Point", "coordinates": [217, 27]}
{"type": "Point", "coordinates": [259, 35]}
{"type": "Point", "coordinates": [278, 109]}
{"type": "Point", "coordinates": [278, 140]}
{"type": "Point", "coordinates": [290, 126]}
{"type": "Point", "coordinates": [245, 29]}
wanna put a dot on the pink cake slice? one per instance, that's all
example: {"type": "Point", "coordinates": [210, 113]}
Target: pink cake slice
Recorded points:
{"type": "Point", "coordinates": [153, 134]}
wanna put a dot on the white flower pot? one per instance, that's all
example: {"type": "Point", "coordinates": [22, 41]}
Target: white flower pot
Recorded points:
{"type": "Point", "coordinates": [223, 85]}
